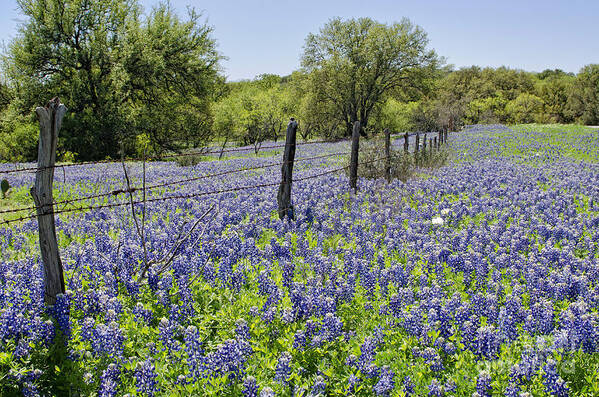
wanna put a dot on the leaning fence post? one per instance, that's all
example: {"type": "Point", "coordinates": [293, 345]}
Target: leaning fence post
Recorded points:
{"type": "Point", "coordinates": [284, 195]}
{"type": "Point", "coordinates": [387, 154]}
{"type": "Point", "coordinates": [50, 118]}
{"type": "Point", "coordinates": [353, 167]}
{"type": "Point", "coordinates": [405, 143]}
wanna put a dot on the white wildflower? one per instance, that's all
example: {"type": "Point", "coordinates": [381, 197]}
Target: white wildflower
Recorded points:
{"type": "Point", "coordinates": [437, 220]}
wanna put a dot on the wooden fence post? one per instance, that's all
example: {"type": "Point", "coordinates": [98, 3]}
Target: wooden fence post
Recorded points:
{"type": "Point", "coordinates": [424, 145]}
{"type": "Point", "coordinates": [405, 143]}
{"type": "Point", "coordinates": [387, 155]}
{"type": "Point", "coordinates": [50, 118]}
{"type": "Point", "coordinates": [353, 166]}
{"type": "Point", "coordinates": [284, 195]}
{"type": "Point", "coordinates": [430, 146]}
{"type": "Point", "coordinates": [436, 143]}
{"type": "Point", "coordinates": [416, 147]}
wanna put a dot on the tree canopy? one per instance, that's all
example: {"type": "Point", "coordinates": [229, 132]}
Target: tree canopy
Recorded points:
{"type": "Point", "coordinates": [354, 63]}
{"type": "Point", "coordinates": [120, 74]}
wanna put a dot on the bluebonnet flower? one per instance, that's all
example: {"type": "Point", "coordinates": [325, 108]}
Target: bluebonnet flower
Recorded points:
{"type": "Point", "coordinates": [319, 387]}
{"type": "Point", "coordinates": [408, 385]}
{"type": "Point", "coordinates": [145, 377]}
{"type": "Point", "coordinates": [229, 358]}
{"type": "Point", "coordinates": [483, 384]}
{"type": "Point", "coordinates": [283, 368]}
{"type": "Point", "coordinates": [352, 382]}
{"type": "Point", "coordinates": [299, 340]}
{"type": "Point", "coordinates": [332, 327]}
{"type": "Point", "coordinates": [61, 312]}
{"type": "Point", "coordinates": [250, 387]}
{"type": "Point", "coordinates": [108, 339]}
{"type": "Point", "coordinates": [512, 390]}
{"type": "Point", "coordinates": [267, 392]}
{"type": "Point", "coordinates": [142, 315]}
{"type": "Point", "coordinates": [167, 331]}
{"type": "Point", "coordinates": [450, 386]}
{"type": "Point", "coordinates": [386, 383]}
{"type": "Point", "coordinates": [435, 389]}
{"type": "Point", "coordinates": [287, 316]}
{"type": "Point", "coordinates": [554, 384]}
{"type": "Point", "coordinates": [194, 350]}
{"type": "Point", "coordinates": [487, 342]}
{"type": "Point", "coordinates": [242, 330]}
{"type": "Point", "coordinates": [110, 381]}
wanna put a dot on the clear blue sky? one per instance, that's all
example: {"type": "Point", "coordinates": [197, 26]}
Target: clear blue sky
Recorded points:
{"type": "Point", "coordinates": [260, 36]}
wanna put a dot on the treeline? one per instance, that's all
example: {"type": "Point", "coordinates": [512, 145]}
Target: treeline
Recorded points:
{"type": "Point", "coordinates": [151, 82]}
{"type": "Point", "coordinates": [258, 109]}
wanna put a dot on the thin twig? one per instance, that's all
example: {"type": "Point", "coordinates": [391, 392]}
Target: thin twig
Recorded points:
{"type": "Point", "coordinates": [133, 214]}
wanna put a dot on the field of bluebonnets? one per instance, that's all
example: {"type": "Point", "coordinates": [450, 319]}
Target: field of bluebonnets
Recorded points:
{"type": "Point", "coordinates": [481, 276]}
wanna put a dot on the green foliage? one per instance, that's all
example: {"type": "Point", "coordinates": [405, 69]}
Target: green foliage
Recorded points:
{"type": "Point", "coordinates": [119, 74]}
{"type": "Point", "coordinates": [253, 111]}
{"type": "Point", "coordinates": [4, 186]}
{"type": "Point", "coordinates": [354, 63]}
{"type": "Point", "coordinates": [18, 135]}
{"type": "Point", "coordinates": [583, 102]}
{"type": "Point", "coordinates": [526, 108]}
{"type": "Point", "coordinates": [69, 157]}
{"type": "Point", "coordinates": [553, 89]}
{"type": "Point", "coordinates": [397, 116]}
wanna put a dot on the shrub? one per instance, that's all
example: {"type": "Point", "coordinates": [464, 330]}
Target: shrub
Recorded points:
{"type": "Point", "coordinates": [403, 166]}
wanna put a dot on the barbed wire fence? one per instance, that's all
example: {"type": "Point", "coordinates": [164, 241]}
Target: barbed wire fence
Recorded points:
{"type": "Point", "coordinates": [46, 209]}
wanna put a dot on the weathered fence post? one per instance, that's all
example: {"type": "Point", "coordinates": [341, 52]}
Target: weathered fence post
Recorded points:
{"type": "Point", "coordinates": [353, 166]}
{"type": "Point", "coordinates": [405, 143]}
{"type": "Point", "coordinates": [436, 143]}
{"type": "Point", "coordinates": [430, 146]}
{"type": "Point", "coordinates": [284, 195]}
{"type": "Point", "coordinates": [416, 147]}
{"type": "Point", "coordinates": [424, 146]}
{"type": "Point", "coordinates": [387, 154]}
{"type": "Point", "coordinates": [50, 118]}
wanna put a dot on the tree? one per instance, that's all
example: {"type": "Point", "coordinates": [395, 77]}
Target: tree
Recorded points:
{"type": "Point", "coordinates": [355, 63]}
{"type": "Point", "coordinates": [253, 111]}
{"type": "Point", "coordinates": [583, 101]}
{"type": "Point", "coordinates": [553, 89]}
{"type": "Point", "coordinates": [526, 108]}
{"type": "Point", "coordinates": [119, 75]}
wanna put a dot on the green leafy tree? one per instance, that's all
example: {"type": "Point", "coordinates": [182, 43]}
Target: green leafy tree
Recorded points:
{"type": "Point", "coordinates": [119, 74]}
{"type": "Point", "coordinates": [253, 111]}
{"type": "Point", "coordinates": [486, 110]}
{"type": "Point", "coordinates": [553, 89]}
{"type": "Point", "coordinates": [583, 100]}
{"type": "Point", "coordinates": [526, 108]}
{"type": "Point", "coordinates": [354, 63]}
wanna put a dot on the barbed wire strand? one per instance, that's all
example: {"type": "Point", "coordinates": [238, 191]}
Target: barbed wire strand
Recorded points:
{"type": "Point", "coordinates": [180, 181]}
{"type": "Point", "coordinates": [178, 155]}
{"type": "Point", "coordinates": [184, 196]}
{"type": "Point", "coordinates": [167, 156]}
